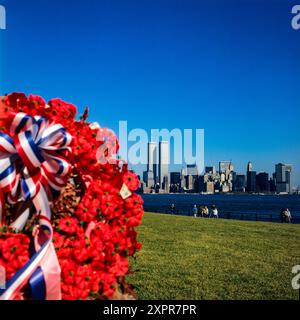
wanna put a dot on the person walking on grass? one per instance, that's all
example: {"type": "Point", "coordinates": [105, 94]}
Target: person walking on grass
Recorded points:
{"type": "Point", "coordinates": [214, 212]}
{"type": "Point", "coordinates": [195, 211]}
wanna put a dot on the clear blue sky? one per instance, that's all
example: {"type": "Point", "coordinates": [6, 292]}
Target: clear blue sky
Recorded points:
{"type": "Point", "coordinates": [230, 67]}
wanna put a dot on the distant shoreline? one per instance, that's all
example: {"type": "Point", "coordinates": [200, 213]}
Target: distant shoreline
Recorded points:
{"type": "Point", "coordinates": [230, 205]}
{"type": "Point", "coordinates": [222, 194]}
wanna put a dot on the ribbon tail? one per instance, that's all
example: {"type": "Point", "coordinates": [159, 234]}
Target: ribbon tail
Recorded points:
{"type": "Point", "coordinates": [2, 208]}
{"type": "Point", "coordinates": [43, 269]}
{"type": "Point", "coordinates": [41, 203]}
{"type": "Point", "coordinates": [51, 270]}
{"type": "Point", "coordinates": [22, 275]}
{"type": "Point", "coordinates": [49, 264]}
{"type": "Point", "coordinates": [37, 284]}
{"type": "Point", "coordinates": [20, 223]}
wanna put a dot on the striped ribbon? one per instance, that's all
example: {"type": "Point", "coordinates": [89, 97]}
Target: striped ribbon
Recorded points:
{"type": "Point", "coordinates": [2, 207]}
{"type": "Point", "coordinates": [29, 269]}
{"type": "Point", "coordinates": [32, 167]}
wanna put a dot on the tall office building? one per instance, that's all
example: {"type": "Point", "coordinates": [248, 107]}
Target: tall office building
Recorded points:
{"type": "Point", "coordinates": [226, 169]}
{"type": "Point", "coordinates": [175, 178]}
{"type": "Point", "coordinates": [189, 182]}
{"type": "Point", "coordinates": [152, 159]}
{"type": "Point", "coordinates": [225, 166]}
{"type": "Point", "coordinates": [175, 182]}
{"type": "Point", "coordinates": [251, 181]}
{"type": "Point", "coordinates": [205, 185]}
{"type": "Point", "coordinates": [163, 166]}
{"type": "Point", "coordinates": [283, 177]}
{"type": "Point", "coordinates": [249, 166]}
{"type": "Point", "coordinates": [210, 170]}
{"type": "Point", "coordinates": [192, 170]}
{"type": "Point", "coordinates": [239, 183]}
{"type": "Point", "coordinates": [148, 178]}
{"type": "Point", "coordinates": [251, 178]}
{"type": "Point", "coordinates": [262, 182]}
{"type": "Point", "coordinates": [288, 170]}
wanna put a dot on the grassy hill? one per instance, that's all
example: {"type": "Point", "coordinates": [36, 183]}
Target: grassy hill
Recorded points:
{"type": "Point", "coordinates": [196, 258]}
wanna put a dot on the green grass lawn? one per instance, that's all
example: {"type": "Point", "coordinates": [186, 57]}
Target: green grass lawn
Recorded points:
{"type": "Point", "coordinates": [196, 258]}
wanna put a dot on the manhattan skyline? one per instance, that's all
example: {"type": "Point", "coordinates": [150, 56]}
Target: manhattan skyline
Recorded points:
{"type": "Point", "coordinates": [230, 67]}
{"type": "Point", "coordinates": [159, 176]}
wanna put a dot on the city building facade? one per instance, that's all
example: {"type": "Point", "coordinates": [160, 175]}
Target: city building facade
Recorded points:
{"type": "Point", "coordinates": [163, 166]}
{"type": "Point", "coordinates": [283, 178]}
{"type": "Point", "coordinates": [262, 182]}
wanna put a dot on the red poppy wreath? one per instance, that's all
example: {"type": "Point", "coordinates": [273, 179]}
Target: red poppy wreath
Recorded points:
{"type": "Point", "coordinates": [68, 208]}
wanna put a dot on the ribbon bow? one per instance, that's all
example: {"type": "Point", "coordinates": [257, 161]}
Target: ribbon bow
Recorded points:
{"type": "Point", "coordinates": [32, 162]}
{"type": "Point", "coordinates": [32, 167]}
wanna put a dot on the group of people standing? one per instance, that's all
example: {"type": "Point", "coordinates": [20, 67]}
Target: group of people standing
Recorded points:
{"type": "Point", "coordinates": [204, 212]}
{"type": "Point", "coordinates": [285, 216]}
{"type": "Point", "coordinates": [212, 212]}
{"type": "Point", "coordinates": [200, 211]}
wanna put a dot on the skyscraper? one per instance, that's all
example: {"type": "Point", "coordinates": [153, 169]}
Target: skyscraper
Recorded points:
{"type": "Point", "coordinates": [272, 183]}
{"type": "Point", "coordinates": [148, 178]}
{"type": "Point", "coordinates": [251, 181]}
{"type": "Point", "coordinates": [210, 170]}
{"type": "Point", "coordinates": [163, 166]}
{"type": "Point", "coordinates": [251, 178]}
{"type": "Point", "coordinates": [175, 178]}
{"type": "Point", "coordinates": [249, 166]}
{"type": "Point", "coordinates": [262, 182]}
{"type": "Point", "coordinates": [225, 166]}
{"type": "Point", "coordinates": [204, 185]}
{"type": "Point", "coordinates": [152, 159]}
{"type": "Point", "coordinates": [189, 182]}
{"type": "Point", "coordinates": [240, 183]}
{"type": "Point", "coordinates": [283, 177]}
{"type": "Point", "coordinates": [226, 169]}
{"type": "Point", "coordinates": [288, 170]}
{"type": "Point", "coordinates": [192, 169]}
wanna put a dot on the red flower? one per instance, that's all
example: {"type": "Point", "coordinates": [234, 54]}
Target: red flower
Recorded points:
{"type": "Point", "coordinates": [14, 252]}
{"type": "Point", "coordinates": [109, 285]}
{"type": "Point", "coordinates": [68, 225]}
{"type": "Point", "coordinates": [82, 250]}
{"type": "Point", "coordinates": [131, 180]}
{"type": "Point", "coordinates": [58, 240]}
{"type": "Point", "coordinates": [111, 206]}
{"type": "Point", "coordinates": [134, 201]}
{"type": "Point", "coordinates": [120, 266]}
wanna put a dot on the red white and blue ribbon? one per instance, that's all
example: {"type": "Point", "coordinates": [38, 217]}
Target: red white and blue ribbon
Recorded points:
{"type": "Point", "coordinates": [33, 165]}
{"type": "Point", "coordinates": [2, 207]}
{"type": "Point", "coordinates": [34, 269]}
{"type": "Point", "coordinates": [32, 157]}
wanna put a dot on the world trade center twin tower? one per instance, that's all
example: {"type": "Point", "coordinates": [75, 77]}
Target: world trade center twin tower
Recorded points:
{"type": "Point", "coordinates": [158, 164]}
